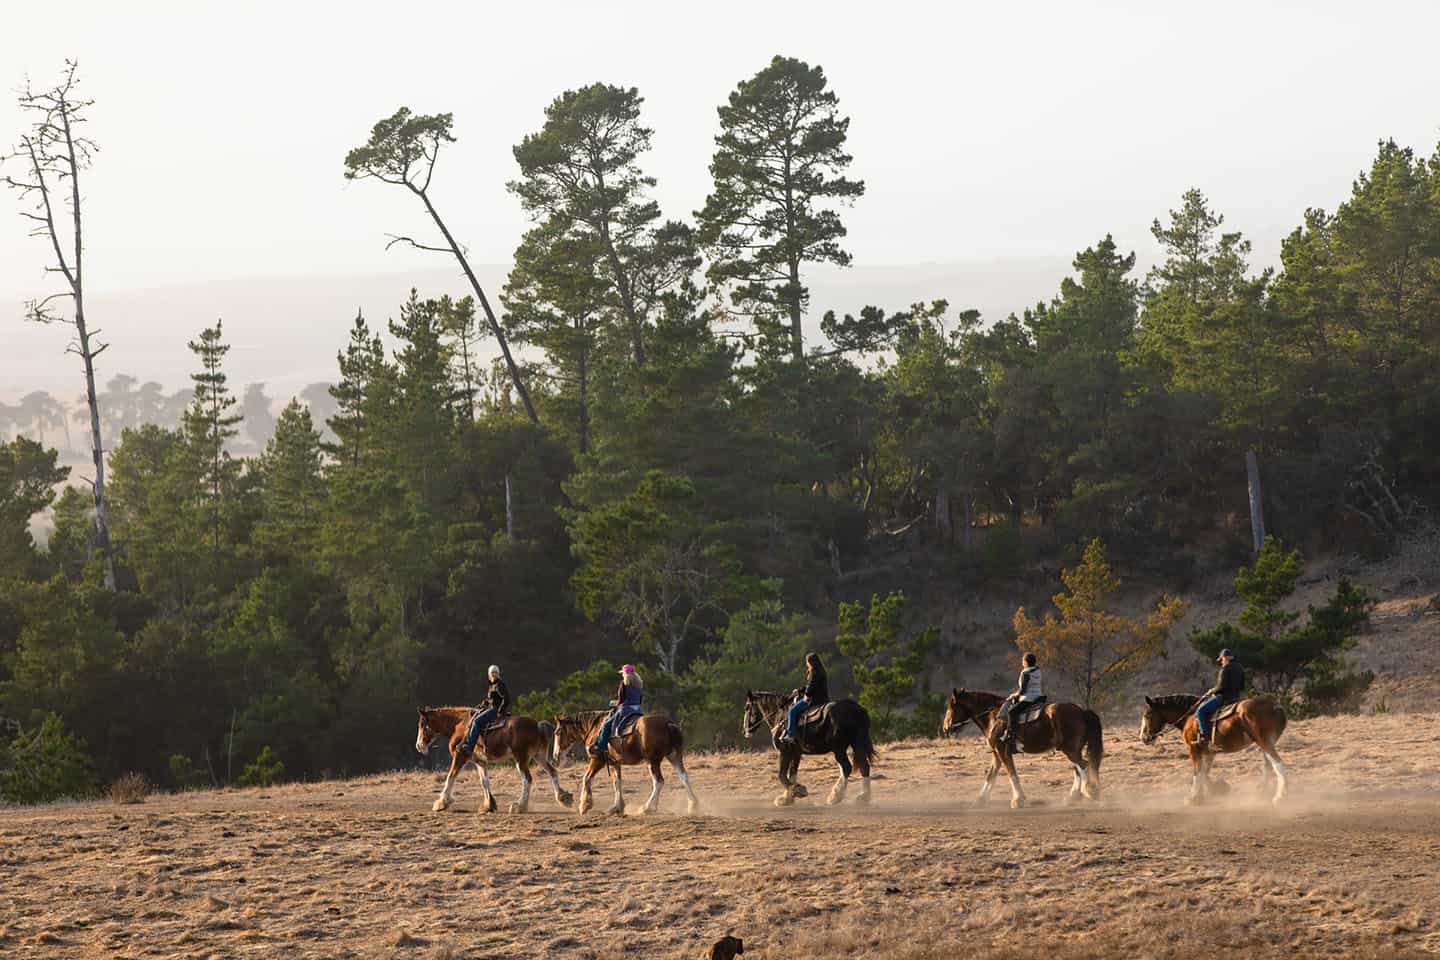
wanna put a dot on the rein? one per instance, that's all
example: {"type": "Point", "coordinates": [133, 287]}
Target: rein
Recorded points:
{"type": "Point", "coordinates": [769, 705]}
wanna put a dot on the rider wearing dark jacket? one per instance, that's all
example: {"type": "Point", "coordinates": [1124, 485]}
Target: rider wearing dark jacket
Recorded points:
{"type": "Point", "coordinates": [496, 705]}
{"type": "Point", "coordinates": [815, 693]}
{"type": "Point", "coordinates": [1229, 688]}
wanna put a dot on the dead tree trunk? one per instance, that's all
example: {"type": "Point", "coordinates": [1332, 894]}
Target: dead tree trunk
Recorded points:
{"type": "Point", "coordinates": [1257, 512]}
{"type": "Point", "coordinates": [55, 155]}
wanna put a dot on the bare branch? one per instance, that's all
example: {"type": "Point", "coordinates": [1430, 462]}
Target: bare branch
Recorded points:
{"type": "Point", "coordinates": [418, 246]}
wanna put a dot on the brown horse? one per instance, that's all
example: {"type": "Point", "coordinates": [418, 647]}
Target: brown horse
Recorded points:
{"type": "Point", "coordinates": [518, 738]}
{"type": "Point", "coordinates": [1063, 727]}
{"type": "Point", "coordinates": [654, 738]}
{"type": "Point", "coordinates": [1257, 720]}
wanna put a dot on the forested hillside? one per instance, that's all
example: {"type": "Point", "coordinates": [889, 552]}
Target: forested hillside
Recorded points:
{"type": "Point", "coordinates": [671, 473]}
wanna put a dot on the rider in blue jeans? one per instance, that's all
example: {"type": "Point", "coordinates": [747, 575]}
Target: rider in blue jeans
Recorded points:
{"type": "Point", "coordinates": [626, 702]}
{"type": "Point", "coordinates": [816, 692]}
{"type": "Point", "coordinates": [1229, 687]}
{"type": "Point", "coordinates": [495, 704]}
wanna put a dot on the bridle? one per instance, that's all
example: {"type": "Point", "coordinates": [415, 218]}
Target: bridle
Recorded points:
{"type": "Point", "coordinates": [755, 712]}
{"type": "Point", "coordinates": [972, 716]}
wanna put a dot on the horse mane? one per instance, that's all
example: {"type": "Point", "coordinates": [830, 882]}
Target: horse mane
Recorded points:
{"type": "Point", "coordinates": [769, 695]}
{"type": "Point", "coordinates": [1186, 700]}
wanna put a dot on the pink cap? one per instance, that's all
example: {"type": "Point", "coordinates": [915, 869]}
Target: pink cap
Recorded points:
{"type": "Point", "coordinates": [627, 669]}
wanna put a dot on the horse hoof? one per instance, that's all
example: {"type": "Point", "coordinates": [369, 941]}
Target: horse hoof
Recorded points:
{"type": "Point", "coordinates": [784, 800]}
{"type": "Point", "coordinates": [800, 791]}
{"type": "Point", "coordinates": [440, 805]}
{"type": "Point", "coordinates": [1193, 801]}
{"type": "Point", "coordinates": [1017, 802]}
{"type": "Point", "coordinates": [863, 800]}
{"type": "Point", "coordinates": [584, 808]}
{"type": "Point", "coordinates": [693, 807]}
{"type": "Point", "coordinates": [515, 807]}
{"type": "Point", "coordinates": [489, 806]}
{"type": "Point", "coordinates": [566, 799]}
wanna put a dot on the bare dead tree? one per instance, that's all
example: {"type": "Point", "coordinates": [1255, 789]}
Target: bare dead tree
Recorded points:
{"type": "Point", "coordinates": [402, 151]}
{"type": "Point", "coordinates": [49, 159]}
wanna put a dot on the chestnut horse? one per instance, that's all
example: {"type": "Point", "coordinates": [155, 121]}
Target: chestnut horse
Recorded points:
{"type": "Point", "coordinates": [1063, 727]}
{"type": "Point", "coordinates": [844, 725]}
{"type": "Point", "coordinates": [517, 738]}
{"type": "Point", "coordinates": [1257, 720]}
{"type": "Point", "coordinates": [652, 739]}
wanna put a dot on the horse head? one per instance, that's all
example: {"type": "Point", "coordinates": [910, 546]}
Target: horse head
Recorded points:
{"type": "Point", "coordinates": [753, 717]}
{"type": "Point", "coordinates": [957, 711]}
{"type": "Point", "coordinates": [1161, 712]}
{"type": "Point", "coordinates": [425, 733]}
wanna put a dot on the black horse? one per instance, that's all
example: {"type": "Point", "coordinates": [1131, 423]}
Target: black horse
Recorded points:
{"type": "Point", "coordinates": [844, 725]}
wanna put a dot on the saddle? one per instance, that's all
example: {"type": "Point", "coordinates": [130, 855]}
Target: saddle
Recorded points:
{"type": "Point", "coordinates": [1021, 717]}
{"type": "Point", "coordinates": [495, 724]}
{"type": "Point", "coordinates": [812, 717]}
{"type": "Point", "coordinates": [625, 725]}
{"type": "Point", "coordinates": [1226, 711]}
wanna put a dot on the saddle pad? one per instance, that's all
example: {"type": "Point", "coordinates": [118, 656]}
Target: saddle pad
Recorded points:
{"type": "Point", "coordinates": [813, 715]}
{"type": "Point", "coordinates": [1225, 711]}
{"type": "Point", "coordinates": [494, 724]}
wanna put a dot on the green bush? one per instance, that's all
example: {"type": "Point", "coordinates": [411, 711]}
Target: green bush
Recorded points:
{"type": "Point", "coordinates": [1002, 555]}
{"type": "Point", "coordinates": [184, 775]}
{"type": "Point", "coordinates": [47, 765]}
{"type": "Point", "coordinates": [264, 771]}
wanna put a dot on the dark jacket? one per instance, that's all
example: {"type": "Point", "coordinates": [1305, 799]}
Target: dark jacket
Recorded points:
{"type": "Point", "coordinates": [498, 698]}
{"type": "Point", "coordinates": [1230, 682]}
{"type": "Point", "coordinates": [628, 696]}
{"type": "Point", "coordinates": [817, 688]}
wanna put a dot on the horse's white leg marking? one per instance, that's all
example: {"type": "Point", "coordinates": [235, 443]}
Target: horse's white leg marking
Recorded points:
{"type": "Point", "coordinates": [555, 785]}
{"type": "Point", "coordinates": [488, 800]}
{"type": "Point", "coordinates": [1077, 781]}
{"type": "Point", "coordinates": [1017, 796]}
{"type": "Point", "coordinates": [656, 785]}
{"type": "Point", "coordinates": [685, 782]}
{"type": "Point", "coordinates": [1282, 786]}
{"type": "Point", "coordinates": [864, 790]}
{"type": "Point", "coordinates": [837, 792]}
{"type": "Point", "coordinates": [443, 801]}
{"type": "Point", "coordinates": [523, 804]}
{"type": "Point", "coordinates": [619, 805]}
{"type": "Point", "coordinates": [989, 779]}
{"type": "Point", "coordinates": [586, 799]}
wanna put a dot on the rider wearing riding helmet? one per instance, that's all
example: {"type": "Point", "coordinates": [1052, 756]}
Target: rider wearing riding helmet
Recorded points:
{"type": "Point", "coordinates": [496, 705]}
{"type": "Point", "coordinates": [1229, 688]}
{"type": "Point", "coordinates": [816, 692]}
{"type": "Point", "coordinates": [1028, 692]}
{"type": "Point", "coordinates": [626, 703]}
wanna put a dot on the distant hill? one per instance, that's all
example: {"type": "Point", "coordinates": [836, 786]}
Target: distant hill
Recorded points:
{"type": "Point", "coordinates": [286, 330]}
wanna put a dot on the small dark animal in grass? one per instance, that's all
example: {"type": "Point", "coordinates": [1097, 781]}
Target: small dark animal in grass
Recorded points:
{"type": "Point", "coordinates": [726, 948]}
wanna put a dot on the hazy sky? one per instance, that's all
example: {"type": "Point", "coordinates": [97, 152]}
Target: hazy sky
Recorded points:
{"type": "Point", "coordinates": [982, 130]}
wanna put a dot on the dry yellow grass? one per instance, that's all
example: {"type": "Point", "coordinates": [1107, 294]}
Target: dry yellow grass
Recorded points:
{"type": "Point", "coordinates": [363, 869]}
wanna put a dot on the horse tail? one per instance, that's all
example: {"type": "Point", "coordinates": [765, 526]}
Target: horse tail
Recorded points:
{"type": "Point", "coordinates": [863, 747]}
{"type": "Point", "coordinates": [547, 730]}
{"type": "Point", "coordinates": [677, 738]}
{"type": "Point", "coordinates": [1094, 740]}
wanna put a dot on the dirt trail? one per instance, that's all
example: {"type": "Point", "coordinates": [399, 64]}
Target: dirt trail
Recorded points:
{"type": "Point", "coordinates": [364, 869]}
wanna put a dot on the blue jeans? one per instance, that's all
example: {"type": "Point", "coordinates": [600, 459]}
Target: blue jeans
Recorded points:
{"type": "Point", "coordinates": [477, 723]}
{"type": "Point", "coordinates": [793, 720]}
{"type": "Point", "coordinates": [1204, 712]}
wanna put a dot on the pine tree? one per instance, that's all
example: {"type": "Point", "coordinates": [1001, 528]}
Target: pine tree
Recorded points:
{"type": "Point", "coordinates": [294, 492]}
{"type": "Point", "coordinates": [780, 159]}
{"type": "Point", "coordinates": [362, 360]}
{"type": "Point", "coordinates": [208, 426]}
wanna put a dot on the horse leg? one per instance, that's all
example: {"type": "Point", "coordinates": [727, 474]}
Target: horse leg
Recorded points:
{"type": "Point", "coordinates": [523, 804]}
{"type": "Point", "coordinates": [442, 802]}
{"type": "Point", "coordinates": [618, 807]}
{"type": "Point", "coordinates": [562, 796]}
{"type": "Point", "coordinates": [1282, 786]}
{"type": "Point", "coordinates": [1017, 796]}
{"type": "Point", "coordinates": [677, 761]}
{"type": "Point", "coordinates": [990, 775]}
{"type": "Point", "coordinates": [1077, 779]}
{"type": "Point", "coordinates": [862, 764]}
{"type": "Point", "coordinates": [787, 797]}
{"type": "Point", "coordinates": [795, 784]}
{"type": "Point", "coordinates": [587, 799]}
{"type": "Point", "coordinates": [657, 784]}
{"type": "Point", "coordinates": [837, 792]}
{"type": "Point", "coordinates": [487, 805]}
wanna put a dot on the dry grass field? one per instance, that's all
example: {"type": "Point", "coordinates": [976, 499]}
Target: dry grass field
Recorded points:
{"type": "Point", "coordinates": [1346, 868]}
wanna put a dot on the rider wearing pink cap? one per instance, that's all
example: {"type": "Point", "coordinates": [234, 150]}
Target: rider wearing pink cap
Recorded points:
{"type": "Point", "coordinates": [626, 704]}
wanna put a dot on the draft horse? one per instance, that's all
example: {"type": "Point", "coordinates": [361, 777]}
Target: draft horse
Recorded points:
{"type": "Point", "coordinates": [1063, 727]}
{"type": "Point", "coordinates": [1257, 720]}
{"type": "Point", "coordinates": [521, 739]}
{"type": "Point", "coordinates": [843, 725]}
{"type": "Point", "coordinates": [653, 738]}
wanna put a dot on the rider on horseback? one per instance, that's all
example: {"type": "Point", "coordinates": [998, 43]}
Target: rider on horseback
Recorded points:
{"type": "Point", "coordinates": [816, 692]}
{"type": "Point", "coordinates": [1229, 688]}
{"type": "Point", "coordinates": [1028, 693]}
{"type": "Point", "coordinates": [496, 705]}
{"type": "Point", "coordinates": [626, 704]}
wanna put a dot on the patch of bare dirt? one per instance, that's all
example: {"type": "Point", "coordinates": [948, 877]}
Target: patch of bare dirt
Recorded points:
{"type": "Point", "coordinates": [1346, 867]}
